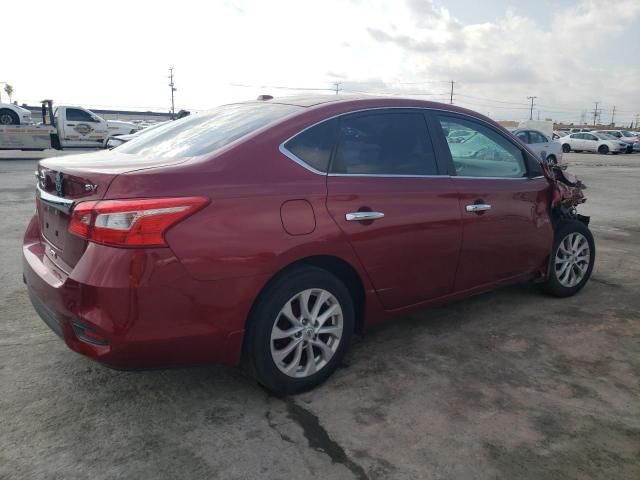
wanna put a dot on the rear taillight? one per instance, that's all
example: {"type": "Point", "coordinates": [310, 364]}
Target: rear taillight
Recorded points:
{"type": "Point", "coordinates": [131, 223]}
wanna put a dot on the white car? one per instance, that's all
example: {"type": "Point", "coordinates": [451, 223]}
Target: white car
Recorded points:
{"type": "Point", "coordinates": [11, 114]}
{"type": "Point", "coordinates": [114, 142]}
{"type": "Point", "coordinates": [592, 142]}
{"type": "Point", "coordinates": [117, 127]}
{"type": "Point", "coordinates": [623, 136]}
{"type": "Point", "coordinates": [544, 147]}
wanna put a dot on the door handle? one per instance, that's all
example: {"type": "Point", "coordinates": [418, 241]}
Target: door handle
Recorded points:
{"type": "Point", "coordinates": [477, 207]}
{"type": "Point", "coordinates": [71, 124]}
{"type": "Point", "coordinates": [363, 216]}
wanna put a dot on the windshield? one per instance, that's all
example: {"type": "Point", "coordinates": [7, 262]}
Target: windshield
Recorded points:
{"type": "Point", "coordinates": [206, 132]}
{"type": "Point", "coordinates": [627, 133]}
{"type": "Point", "coordinates": [603, 136]}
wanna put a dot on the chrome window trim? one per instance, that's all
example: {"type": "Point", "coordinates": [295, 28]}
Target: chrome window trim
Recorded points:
{"type": "Point", "coordinates": [386, 175]}
{"type": "Point", "coordinates": [303, 164]}
{"type": "Point", "coordinates": [298, 160]}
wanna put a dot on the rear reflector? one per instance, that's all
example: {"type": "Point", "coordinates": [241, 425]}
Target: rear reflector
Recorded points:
{"type": "Point", "coordinates": [131, 223]}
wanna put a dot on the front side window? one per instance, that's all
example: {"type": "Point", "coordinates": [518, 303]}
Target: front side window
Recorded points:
{"type": "Point", "coordinates": [206, 132]}
{"type": "Point", "coordinates": [588, 136]}
{"type": "Point", "coordinates": [384, 144]}
{"type": "Point", "coordinates": [314, 145]}
{"type": "Point", "coordinates": [537, 137]}
{"type": "Point", "coordinates": [523, 136]}
{"type": "Point", "coordinates": [77, 115]}
{"type": "Point", "coordinates": [485, 153]}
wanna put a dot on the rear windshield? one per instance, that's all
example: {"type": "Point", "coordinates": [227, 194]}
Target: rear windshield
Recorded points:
{"type": "Point", "coordinates": [206, 132]}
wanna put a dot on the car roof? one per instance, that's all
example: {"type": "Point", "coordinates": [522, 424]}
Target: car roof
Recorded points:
{"type": "Point", "coordinates": [355, 102]}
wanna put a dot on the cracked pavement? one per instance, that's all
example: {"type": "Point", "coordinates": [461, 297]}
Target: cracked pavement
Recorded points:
{"type": "Point", "coordinates": [509, 384]}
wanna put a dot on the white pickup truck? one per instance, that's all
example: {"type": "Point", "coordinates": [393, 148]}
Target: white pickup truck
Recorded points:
{"type": "Point", "coordinates": [66, 127]}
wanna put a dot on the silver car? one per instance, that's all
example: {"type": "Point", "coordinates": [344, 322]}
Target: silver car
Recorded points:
{"type": "Point", "coordinates": [544, 147]}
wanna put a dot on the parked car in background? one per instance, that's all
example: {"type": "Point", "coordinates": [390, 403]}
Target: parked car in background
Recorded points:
{"type": "Point", "coordinates": [591, 142]}
{"type": "Point", "coordinates": [121, 139]}
{"type": "Point", "coordinates": [266, 233]}
{"type": "Point", "coordinates": [544, 147]}
{"type": "Point", "coordinates": [623, 136]}
{"type": "Point", "coordinates": [11, 114]}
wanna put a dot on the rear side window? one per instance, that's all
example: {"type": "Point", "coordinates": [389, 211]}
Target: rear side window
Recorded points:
{"type": "Point", "coordinates": [523, 136]}
{"type": "Point", "coordinates": [384, 144]}
{"type": "Point", "coordinates": [204, 133]}
{"type": "Point", "coordinates": [314, 145]}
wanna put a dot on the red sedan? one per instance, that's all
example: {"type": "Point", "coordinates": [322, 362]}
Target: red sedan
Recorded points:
{"type": "Point", "coordinates": [265, 233]}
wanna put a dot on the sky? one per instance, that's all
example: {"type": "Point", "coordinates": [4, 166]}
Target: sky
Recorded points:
{"type": "Point", "coordinates": [568, 54]}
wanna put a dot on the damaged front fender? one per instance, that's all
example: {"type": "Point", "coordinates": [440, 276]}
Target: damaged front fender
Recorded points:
{"type": "Point", "coordinates": [567, 194]}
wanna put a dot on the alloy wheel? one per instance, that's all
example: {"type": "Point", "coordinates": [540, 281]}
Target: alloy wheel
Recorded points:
{"type": "Point", "coordinates": [572, 259]}
{"type": "Point", "coordinates": [306, 333]}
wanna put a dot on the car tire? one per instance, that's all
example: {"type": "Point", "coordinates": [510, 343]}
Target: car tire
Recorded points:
{"type": "Point", "coordinates": [603, 149]}
{"type": "Point", "coordinates": [8, 117]}
{"type": "Point", "coordinates": [572, 260]}
{"type": "Point", "coordinates": [268, 339]}
{"type": "Point", "coordinates": [566, 148]}
{"type": "Point", "coordinates": [551, 159]}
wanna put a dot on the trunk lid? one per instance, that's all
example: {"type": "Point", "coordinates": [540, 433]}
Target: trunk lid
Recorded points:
{"type": "Point", "coordinates": [65, 181]}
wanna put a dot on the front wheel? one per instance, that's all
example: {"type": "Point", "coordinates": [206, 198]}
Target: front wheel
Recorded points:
{"type": "Point", "coordinates": [552, 160]}
{"type": "Point", "coordinates": [603, 149]}
{"type": "Point", "coordinates": [9, 117]}
{"type": "Point", "coordinates": [572, 259]}
{"type": "Point", "coordinates": [299, 330]}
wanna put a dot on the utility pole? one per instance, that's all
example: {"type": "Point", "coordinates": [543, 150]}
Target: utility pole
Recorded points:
{"type": "Point", "coordinates": [538, 114]}
{"type": "Point", "coordinates": [451, 96]}
{"type": "Point", "coordinates": [337, 87]}
{"type": "Point", "coordinates": [595, 113]}
{"type": "Point", "coordinates": [173, 89]}
{"type": "Point", "coordinates": [531, 110]}
{"type": "Point", "coordinates": [613, 116]}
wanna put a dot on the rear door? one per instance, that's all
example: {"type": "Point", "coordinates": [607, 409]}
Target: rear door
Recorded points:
{"type": "Point", "coordinates": [79, 128]}
{"type": "Point", "coordinates": [395, 204]}
{"type": "Point", "coordinates": [503, 204]}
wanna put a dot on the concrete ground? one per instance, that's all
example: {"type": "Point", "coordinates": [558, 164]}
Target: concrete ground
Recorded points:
{"type": "Point", "coordinates": [510, 384]}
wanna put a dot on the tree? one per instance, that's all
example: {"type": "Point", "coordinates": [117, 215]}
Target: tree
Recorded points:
{"type": "Point", "coordinates": [9, 91]}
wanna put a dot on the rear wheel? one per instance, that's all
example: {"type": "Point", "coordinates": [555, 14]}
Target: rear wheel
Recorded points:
{"type": "Point", "coordinates": [8, 117]}
{"type": "Point", "coordinates": [603, 149]}
{"type": "Point", "coordinates": [572, 259]}
{"type": "Point", "coordinates": [566, 148]}
{"type": "Point", "coordinates": [299, 330]}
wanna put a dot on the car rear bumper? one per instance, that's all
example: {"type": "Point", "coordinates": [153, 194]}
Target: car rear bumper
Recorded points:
{"type": "Point", "coordinates": [138, 308]}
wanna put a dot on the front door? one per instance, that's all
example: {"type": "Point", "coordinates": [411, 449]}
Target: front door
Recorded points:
{"type": "Point", "coordinates": [503, 203]}
{"type": "Point", "coordinates": [79, 128]}
{"type": "Point", "coordinates": [589, 142]}
{"type": "Point", "coordinates": [387, 193]}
